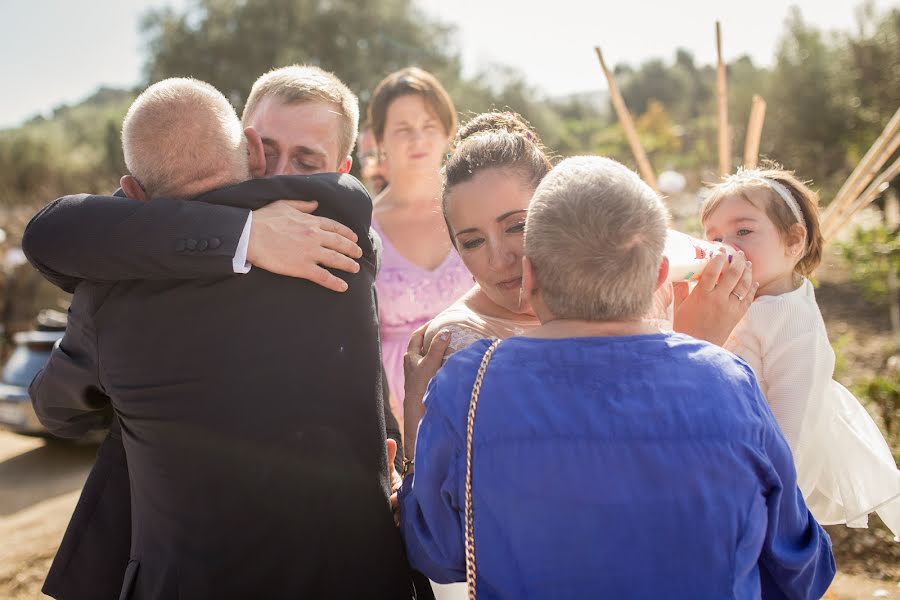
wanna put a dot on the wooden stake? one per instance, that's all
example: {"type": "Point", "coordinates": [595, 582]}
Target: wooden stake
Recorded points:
{"type": "Point", "coordinates": [875, 189]}
{"type": "Point", "coordinates": [754, 132]}
{"type": "Point", "coordinates": [878, 154]}
{"type": "Point", "coordinates": [855, 198]}
{"type": "Point", "coordinates": [628, 125]}
{"type": "Point", "coordinates": [892, 222]}
{"type": "Point", "coordinates": [722, 92]}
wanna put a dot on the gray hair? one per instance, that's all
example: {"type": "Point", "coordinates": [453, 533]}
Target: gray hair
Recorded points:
{"type": "Point", "coordinates": [595, 234]}
{"type": "Point", "coordinates": [181, 137]}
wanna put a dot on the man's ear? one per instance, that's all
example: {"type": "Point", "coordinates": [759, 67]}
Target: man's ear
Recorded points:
{"type": "Point", "coordinates": [529, 281]}
{"type": "Point", "coordinates": [133, 188]}
{"type": "Point", "coordinates": [663, 272]}
{"type": "Point", "coordinates": [344, 167]}
{"type": "Point", "coordinates": [256, 155]}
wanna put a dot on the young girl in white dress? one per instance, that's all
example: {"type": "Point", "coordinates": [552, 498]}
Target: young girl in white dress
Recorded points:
{"type": "Point", "coordinates": [845, 469]}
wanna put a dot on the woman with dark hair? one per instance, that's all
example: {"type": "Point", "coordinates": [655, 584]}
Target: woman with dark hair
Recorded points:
{"type": "Point", "coordinates": [597, 456]}
{"type": "Point", "coordinates": [413, 119]}
{"type": "Point", "coordinates": [489, 179]}
{"type": "Point", "coordinates": [497, 162]}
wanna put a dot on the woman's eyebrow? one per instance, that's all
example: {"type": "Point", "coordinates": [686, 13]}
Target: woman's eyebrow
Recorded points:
{"type": "Point", "coordinates": [510, 213]}
{"type": "Point", "coordinates": [469, 230]}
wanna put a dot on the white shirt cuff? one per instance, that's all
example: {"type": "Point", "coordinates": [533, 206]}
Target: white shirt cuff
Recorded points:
{"type": "Point", "coordinates": [239, 262]}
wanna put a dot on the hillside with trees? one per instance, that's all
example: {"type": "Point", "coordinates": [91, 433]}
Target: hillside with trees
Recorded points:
{"type": "Point", "coordinates": [829, 93]}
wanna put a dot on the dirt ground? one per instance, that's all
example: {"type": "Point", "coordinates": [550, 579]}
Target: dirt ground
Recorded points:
{"type": "Point", "coordinates": [40, 481]}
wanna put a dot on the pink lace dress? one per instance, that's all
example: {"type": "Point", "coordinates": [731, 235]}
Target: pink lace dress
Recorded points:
{"type": "Point", "coordinates": [408, 297]}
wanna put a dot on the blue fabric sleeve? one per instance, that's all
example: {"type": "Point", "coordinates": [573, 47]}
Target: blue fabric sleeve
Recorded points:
{"type": "Point", "coordinates": [431, 519]}
{"type": "Point", "coordinates": [796, 560]}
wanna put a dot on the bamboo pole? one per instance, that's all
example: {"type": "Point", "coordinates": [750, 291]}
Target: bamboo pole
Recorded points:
{"type": "Point", "coordinates": [837, 212]}
{"type": "Point", "coordinates": [754, 132]}
{"type": "Point", "coordinates": [836, 217]}
{"type": "Point", "coordinates": [722, 93]}
{"type": "Point", "coordinates": [892, 221]}
{"type": "Point", "coordinates": [628, 125]}
{"type": "Point", "coordinates": [868, 167]}
{"type": "Point", "coordinates": [875, 189]}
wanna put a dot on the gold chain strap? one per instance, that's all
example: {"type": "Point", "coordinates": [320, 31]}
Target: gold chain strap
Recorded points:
{"type": "Point", "coordinates": [470, 429]}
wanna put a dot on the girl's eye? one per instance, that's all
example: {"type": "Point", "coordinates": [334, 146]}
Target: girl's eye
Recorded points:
{"type": "Point", "coordinates": [715, 239]}
{"type": "Point", "coordinates": [743, 232]}
{"type": "Point", "coordinates": [517, 228]}
{"type": "Point", "coordinates": [471, 244]}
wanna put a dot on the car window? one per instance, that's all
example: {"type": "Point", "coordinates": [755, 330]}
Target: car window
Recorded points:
{"type": "Point", "coordinates": [23, 365]}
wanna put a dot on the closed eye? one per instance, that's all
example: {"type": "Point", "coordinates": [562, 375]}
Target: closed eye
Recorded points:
{"type": "Point", "coordinates": [516, 228]}
{"type": "Point", "coordinates": [473, 243]}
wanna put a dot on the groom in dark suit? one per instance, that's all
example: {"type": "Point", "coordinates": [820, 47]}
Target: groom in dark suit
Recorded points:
{"type": "Point", "coordinates": [250, 406]}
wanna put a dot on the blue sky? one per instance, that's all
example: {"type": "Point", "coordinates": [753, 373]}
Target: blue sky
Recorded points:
{"type": "Point", "coordinates": [59, 51]}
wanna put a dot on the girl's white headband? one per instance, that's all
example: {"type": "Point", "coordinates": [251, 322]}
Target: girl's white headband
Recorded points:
{"type": "Point", "coordinates": [753, 176]}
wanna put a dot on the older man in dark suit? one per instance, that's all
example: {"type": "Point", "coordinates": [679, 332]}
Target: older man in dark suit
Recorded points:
{"type": "Point", "coordinates": [250, 406]}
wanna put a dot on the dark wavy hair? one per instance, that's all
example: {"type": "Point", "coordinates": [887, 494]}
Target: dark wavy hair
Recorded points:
{"type": "Point", "coordinates": [495, 140]}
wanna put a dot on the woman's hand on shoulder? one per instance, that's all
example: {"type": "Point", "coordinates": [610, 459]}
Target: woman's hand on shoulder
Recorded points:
{"type": "Point", "coordinates": [420, 364]}
{"type": "Point", "coordinates": [719, 300]}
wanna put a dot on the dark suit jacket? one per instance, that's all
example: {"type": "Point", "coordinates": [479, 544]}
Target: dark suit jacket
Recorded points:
{"type": "Point", "coordinates": [107, 239]}
{"type": "Point", "coordinates": [91, 560]}
{"type": "Point", "coordinates": [252, 418]}
{"type": "Point", "coordinates": [113, 238]}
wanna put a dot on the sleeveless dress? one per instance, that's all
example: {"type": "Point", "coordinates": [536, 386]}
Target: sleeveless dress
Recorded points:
{"type": "Point", "coordinates": [845, 468]}
{"type": "Point", "coordinates": [408, 297]}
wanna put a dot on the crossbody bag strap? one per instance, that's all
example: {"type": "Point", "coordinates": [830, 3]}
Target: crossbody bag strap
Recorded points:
{"type": "Point", "coordinates": [470, 430]}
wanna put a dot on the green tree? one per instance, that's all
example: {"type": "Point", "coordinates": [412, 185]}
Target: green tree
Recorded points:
{"type": "Point", "coordinates": [229, 43]}
{"type": "Point", "coordinates": [868, 76]}
{"type": "Point", "coordinates": [807, 120]}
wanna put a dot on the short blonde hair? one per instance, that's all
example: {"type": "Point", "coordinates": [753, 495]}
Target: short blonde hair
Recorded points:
{"type": "Point", "coordinates": [776, 209]}
{"type": "Point", "coordinates": [297, 84]}
{"type": "Point", "coordinates": [181, 137]}
{"type": "Point", "coordinates": [595, 234]}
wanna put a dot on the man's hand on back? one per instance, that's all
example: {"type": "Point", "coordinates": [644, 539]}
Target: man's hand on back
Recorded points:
{"type": "Point", "coordinates": [286, 239]}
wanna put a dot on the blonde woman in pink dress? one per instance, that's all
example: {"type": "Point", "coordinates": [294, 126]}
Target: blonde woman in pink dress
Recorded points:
{"type": "Point", "coordinates": [421, 274]}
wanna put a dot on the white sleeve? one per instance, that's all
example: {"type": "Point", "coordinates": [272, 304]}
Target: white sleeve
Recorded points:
{"type": "Point", "coordinates": [239, 262]}
{"type": "Point", "coordinates": [797, 367]}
